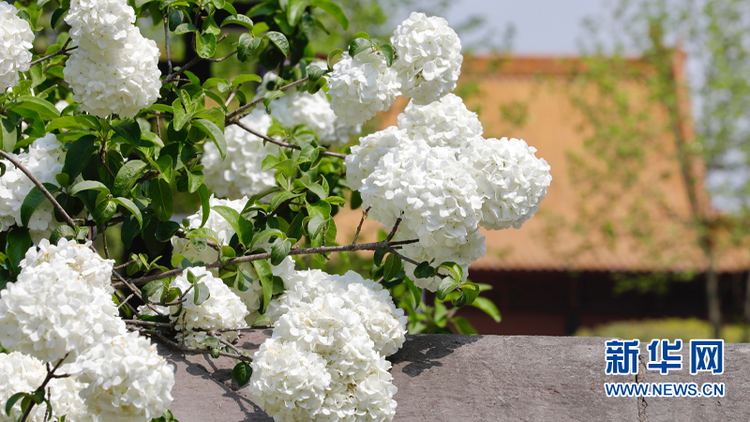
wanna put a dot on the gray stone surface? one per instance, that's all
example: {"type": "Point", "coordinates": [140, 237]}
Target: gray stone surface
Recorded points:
{"type": "Point", "coordinates": [486, 378]}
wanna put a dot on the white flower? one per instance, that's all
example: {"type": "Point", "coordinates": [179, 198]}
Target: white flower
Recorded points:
{"type": "Point", "coordinates": [429, 189]}
{"type": "Point", "coordinates": [364, 158]}
{"type": "Point", "coordinates": [240, 174]}
{"type": "Point", "coordinates": [120, 78]}
{"type": "Point", "coordinates": [288, 382]}
{"type": "Point", "coordinates": [512, 180]}
{"type": "Point", "coordinates": [252, 297]}
{"type": "Point", "coordinates": [126, 380]}
{"type": "Point", "coordinates": [44, 160]}
{"type": "Point", "coordinates": [361, 86]}
{"type": "Point", "coordinates": [98, 21]}
{"type": "Point", "coordinates": [443, 123]}
{"type": "Point", "coordinates": [50, 311]}
{"type": "Point", "coordinates": [463, 255]}
{"type": "Point", "coordinates": [23, 373]}
{"type": "Point", "coordinates": [16, 39]}
{"type": "Point", "coordinates": [93, 269]}
{"type": "Point", "coordinates": [222, 309]}
{"type": "Point", "coordinates": [429, 57]}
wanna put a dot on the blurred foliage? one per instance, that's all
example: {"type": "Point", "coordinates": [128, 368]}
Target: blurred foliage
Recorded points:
{"type": "Point", "coordinates": [669, 328]}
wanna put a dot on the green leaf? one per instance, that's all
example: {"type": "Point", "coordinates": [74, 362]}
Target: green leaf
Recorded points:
{"type": "Point", "coordinates": [334, 10]}
{"type": "Point", "coordinates": [165, 230]}
{"type": "Point", "coordinates": [127, 176]}
{"type": "Point", "coordinates": [447, 285]}
{"type": "Point", "coordinates": [12, 401]}
{"type": "Point", "coordinates": [294, 10]}
{"type": "Point", "coordinates": [280, 250]}
{"type": "Point", "coordinates": [161, 198]}
{"type": "Point", "coordinates": [130, 130]}
{"type": "Point", "coordinates": [229, 214]}
{"type": "Point", "coordinates": [261, 320]}
{"type": "Point", "coordinates": [392, 267]}
{"type": "Point", "coordinates": [463, 326]}
{"type": "Point", "coordinates": [416, 292]}
{"type": "Point", "coordinates": [58, 16]}
{"type": "Point", "coordinates": [332, 55]}
{"type": "Point", "coordinates": [359, 45]}
{"type": "Point", "coordinates": [78, 155]}
{"type": "Point", "coordinates": [206, 45]}
{"type": "Point", "coordinates": [265, 274]}
{"type": "Point", "coordinates": [185, 28]}
{"type": "Point", "coordinates": [270, 96]}
{"type": "Point", "coordinates": [200, 294]}
{"type": "Point", "coordinates": [46, 110]}
{"type": "Point", "coordinates": [180, 116]}
{"type": "Point", "coordinates": [205, 233]}
{"type": "Point", "coordinates": [314, 72]}
{"type": "Point", "coordinates": [9, 133]}
{"type": "Point", "coordinates": [470, 291]}
{"type": "Point", "coordinates": [19, 241]}
{"type": "Point", "coordinates": [213, 132]}
{"type": "Point", "coordinates": [89, 185]}
{"type": "Point", "coordinates": [280, 198]}
{"type": "Point", "coordinates": [244, 281]}
{"type": "Point", "coordinates": [130, 206]}
{"type": "Point", "coordinates": [241, 79]}
{"type": "Point", "coordinates": [335, 200]}
{"type": "Point", "coordinates": [424, 270]}
{"type": "Point", "coordinates": [279, 40]}
{"type": "Point", "coordinates": [455, 269]}
{"type": "Point", "coordinates": [389, 53]}
{"type": "Point", "coordinates": [238, 20]}
{"type": "Point", "coordinates": [32, 201]}
{"type": "Point", "coordinates": [265, 8]}
{"type": "Point", "coordinates": [62, 232]}
{"type": "Point", "coordinates": [205, 204]}
{"type": "Point", "coordinates": [105, 210]}
{"type": "Point", "coordinates": [212, 342]}
{"type": "Point", "coordinates": [153, 288]}
{"type": "Point", "coordinates": [488, 307]}
{"type": "Point", "coordinates": [242, 373]}
{"type": "Point", "coordinates": [247, 47]}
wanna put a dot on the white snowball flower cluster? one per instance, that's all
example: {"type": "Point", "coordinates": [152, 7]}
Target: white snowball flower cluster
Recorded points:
{"type": "Point", "coordinates": [512, 180]}
{"type": "Point", "coordinates": [429, 57]}
{"type": "Point", "coordinates": [93, 269]}
{"type": "Point", "coordinates": [23, 373]}
{"type": "Point", "coordinates": [114, 69]}
{"type": "Point", "coordinates": [222, 309]}
{"type": "Point", "coordinates": [361, 86]}
{"type": "Point", "coordinates": [126, 380]}
{"type": "Point", "coordinates": [444, 123]}
{"type": "Point", "coordinates": [44, 160]}
{"type": "Point", "coordinates": [334, 331]}
{"type": "Point", "coordinates": [444, 180]}
{"type": "Point", "coordinates": [240, 174]}
{"type": "Point", "coordinates": [16, 39]}
{"type": "Point", "coordinates": [50, 312]}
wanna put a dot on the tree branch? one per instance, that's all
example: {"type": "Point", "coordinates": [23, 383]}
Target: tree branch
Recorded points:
{"type": "Point", "coordinates": [69, 221]}
{"type": "Point", "coordinates": [47, 379]}
{"type": "Point", "coordinates": [59, 52]}
{"type": "Point", "coordinates": [285, 144]}
{"type": "Point", "coordinates": [235, 116]}
{"type": "Point", "coordinates": [178, 346]}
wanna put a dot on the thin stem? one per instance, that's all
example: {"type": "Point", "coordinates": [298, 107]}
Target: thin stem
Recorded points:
{"type": "Point", "coordinates": [69, 221]}
{"type": "Point", "coordinates": [221, 59]}
{"type": "Point", "coordinates": [284, 144]}
{"type": "Point", "coordinates": [127, 264]}
{"type": "Point", "coordinates": [103, 229]}
{"type": "Point", "coordinates": [359, 227]}
{"type": "Point", "coordinates": [63, 50]}
{"type": "Point", "coordinates": [236, 115]}
{"type": "Point", "coordinates": [175, 345]}
{"type": "Point", "coordinates": [47, 379]}
{"type": "Point", "coordinates": [172, 76]}
{"type": "Point", "coordinates": [394, 230]}
{"type": "Point", "coordinates": [166, 41]}
{"type": "Point", "coordinates": [260, 256]}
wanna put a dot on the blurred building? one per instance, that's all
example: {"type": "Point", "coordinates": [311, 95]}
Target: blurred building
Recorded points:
{"type": "Point", "coordinates": [559, 271]}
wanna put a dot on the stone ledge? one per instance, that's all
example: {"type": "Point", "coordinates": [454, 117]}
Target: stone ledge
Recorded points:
{"type": "Point", "coordinates": [485, 378]}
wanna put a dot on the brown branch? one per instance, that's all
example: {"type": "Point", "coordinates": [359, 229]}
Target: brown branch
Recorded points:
{"type": "Point", "coordinates": [47, 379]}
{"type": "Point", "coordinates": [149, 323]}
{"type": "Point", "coordinates": [221, 59]}
{"type": "Point", "coordinates": [69, 221]}
{"type": "Point", "coordinates": [235, 116]}
{"type": "Point", "coordinates": [178, 346]}
{"type": "Point", "coordinates": [172, 76]}
{"type": "Point", "coordinates": [121, 266]}
{"type": "Point", "coordinates": [359, 227]}
{"type": "Point", "coordinates": [285, 144]}
{"type": "Point", "coordinates": [209, 242]}
{"type": "Point", "coordinates": [166, 41]}
{"type": "Point", "coordinates": [63, 50]}
{"type": "Point", "coordinates": [394, 230]}
{"type": "Point", "coordinates": [257, 257]}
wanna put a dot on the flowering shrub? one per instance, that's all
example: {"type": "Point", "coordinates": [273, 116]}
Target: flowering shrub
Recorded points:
{"type": "Point", "coordinates": [94, 137]}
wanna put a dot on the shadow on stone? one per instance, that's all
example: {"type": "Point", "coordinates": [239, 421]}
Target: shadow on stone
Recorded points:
{"type": "Point", "coordinates": [424, 351]}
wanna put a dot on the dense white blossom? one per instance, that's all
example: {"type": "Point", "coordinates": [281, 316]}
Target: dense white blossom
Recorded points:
{"type": "Point", "coordinates": [252, 297]}
{"type": "Point", "coordinates": [222, 309]}
{"type": "Point", "coordinates": [16, 39]}
{"type": "Point", "coordinates": [511, 178]}
{"type": "Point", "coordinates": [44, 160]}
{"type": "Point", "coordinates": [429, 57]}
{"type": "Point", "coordinates": [361, 86]}
{"type": "Point", "coordinates": [23, 373]}
{"type": "Point", "coordinates": [429, 189]}
{"type": "Point", "coordinates": [50, 311]}
{"type": "Point", "coordinates": [364, 158]}
{"type": "Point", "coordinates": [443, 123]}
{"type": "Point", "coordinates": [115, 68]}
{"type": "Point", "coordinates": [93, 269]}
{"type": "Point", "coordinates": [239, 174]}
{"type": "Point", "coordinates": [125, 380]}
{"type": "Point", "coordinates": [288, 381]}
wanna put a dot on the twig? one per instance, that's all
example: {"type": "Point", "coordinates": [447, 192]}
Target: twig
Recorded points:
{"type": "Point", "coordinates": [236, 115]}
{"type": "Point", "coordinates": [166, 41]}
{"type": "Point", "coordinates": [41, 187]}
{"type": "Point", "coordinates": [394, 230]}
{"type": "Point", "coordinates": [231, 96]}
{"type": "Point", "coordinates": [127, 264]}
{"type": "Point", "coordinates": [285, 144]}
{"type": "Point", "coordinates": [224, 330]}
{"type": "Point", "coordinates": [217, 335]}
{"type": "Point", "coordinates": [149, 323]}
{"type": "Point", "coordinates": [221, 59]}
{"type": "Point", "coordinates": [124, 302]}
{"type": "Point", "coordinates": [59, 52]}
{"type": "Point", "coordinates": [178, 346]}
{"type": "Point", "coordinates": [47, 379]}
{"type": "Point", "coordinates": [175, 74]}
{"type": "Point", "coordinates": [209, 242]}
{"type": "Point", "coordinates": [359, 227]}
{"type": "Point", "coordinates": [260, 256]}
{"type": "Point", "coordinates": [103, 229]}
